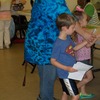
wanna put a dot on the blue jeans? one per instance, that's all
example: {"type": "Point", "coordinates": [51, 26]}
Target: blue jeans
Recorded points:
{"type": "Point", "coordinates": [47, 74]}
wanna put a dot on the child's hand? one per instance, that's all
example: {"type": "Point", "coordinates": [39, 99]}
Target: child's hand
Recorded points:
{"type": "Point", "coordinates": [89, 44]}
{"type": "Point", "coordinates": [98, 35]}
{"type": "Point", "coordinates": [71, 69]}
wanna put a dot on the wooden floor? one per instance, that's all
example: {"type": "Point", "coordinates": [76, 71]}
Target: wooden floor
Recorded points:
{"type": "Point", "coordinates": [12, 74]}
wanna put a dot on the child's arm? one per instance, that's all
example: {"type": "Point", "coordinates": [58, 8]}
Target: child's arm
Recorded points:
{"type": "Point", "coordinates": [80, 45]}
{"type": "Point", "coordinates": [59, 65]}
{"type": "Point", "coordinates": [98, 36]}
{"type": "Point", "coordinates": [89, 44]}
{"type": "Point", "coordinates": [85, 43]}
{"type": "Point", "coordinates": [86, 35]}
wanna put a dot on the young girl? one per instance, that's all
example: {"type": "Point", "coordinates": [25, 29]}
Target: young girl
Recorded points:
{"type": "Point", "coordinates": [83, 55]}
{"type": "Point", "coordinates": [63, 56]}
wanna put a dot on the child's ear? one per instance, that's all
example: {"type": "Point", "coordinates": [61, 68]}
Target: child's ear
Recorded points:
{"type": "Point", "coordinates": [64, 28]}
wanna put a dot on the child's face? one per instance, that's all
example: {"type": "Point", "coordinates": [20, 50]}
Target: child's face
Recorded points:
{"type": "Point", "coordinates": [71, 29]}
{"type": "Point", "coordinates": [83, 22]}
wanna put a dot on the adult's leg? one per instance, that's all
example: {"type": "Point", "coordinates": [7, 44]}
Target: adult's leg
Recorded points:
{"type": "Point", "coordinates": [7, 33]}
{"type": "Point", "coordinates": [47, 74]}
{"type": "Point", "coordinates": [1, 34]}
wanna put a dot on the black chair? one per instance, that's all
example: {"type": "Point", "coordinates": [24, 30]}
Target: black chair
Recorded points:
{"type": "Point", "coordinates": [93, 48]}
{"type": "Point", "coordinates": [25, 64]}
{"type": "Point", "coordinates": [21, 25]}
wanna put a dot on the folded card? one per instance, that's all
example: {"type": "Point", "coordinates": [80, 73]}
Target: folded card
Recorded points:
{"type": "Point", "coordinates": [82, 69]}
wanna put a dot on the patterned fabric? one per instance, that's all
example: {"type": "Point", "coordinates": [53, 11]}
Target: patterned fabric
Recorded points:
{"type": "Point", "coordinates": [84, 53]}
{"type": "Point", "coordinates": [42, 30]}
{"type": "Point", "coordinates": [89, 9]}
{"type": "Point", "coordinates": [95, 19]}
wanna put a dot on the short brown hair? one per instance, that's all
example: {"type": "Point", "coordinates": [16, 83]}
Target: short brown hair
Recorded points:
{"type": "Point", "coordinates": [64, 20]}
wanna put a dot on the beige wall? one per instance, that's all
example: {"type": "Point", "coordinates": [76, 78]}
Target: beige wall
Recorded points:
{"type": "Point", "coordinates": [71, 4]}
{"type": "Point", "coordinates": [27, 5]}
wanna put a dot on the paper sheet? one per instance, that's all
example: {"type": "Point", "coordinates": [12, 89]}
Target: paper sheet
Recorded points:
{"type": "Point", "coordinates": [82, 69]}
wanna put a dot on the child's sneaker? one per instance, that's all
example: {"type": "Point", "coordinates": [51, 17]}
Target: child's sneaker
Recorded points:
{"type": "Point", "coordinates": [86, 96]}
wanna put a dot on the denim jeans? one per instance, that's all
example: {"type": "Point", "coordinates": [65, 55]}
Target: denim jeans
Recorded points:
{"type": "Point", "coordinates": [47, 74]}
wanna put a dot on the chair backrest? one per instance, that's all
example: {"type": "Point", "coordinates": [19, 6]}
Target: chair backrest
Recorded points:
{"type": "Point", "coordinates": [20, 19]}
{"type": "Point", "coordinates": [23, 19]}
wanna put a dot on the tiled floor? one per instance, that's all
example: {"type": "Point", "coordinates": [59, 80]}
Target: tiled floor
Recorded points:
{"type": "Point", "coordinates": [12, 74]}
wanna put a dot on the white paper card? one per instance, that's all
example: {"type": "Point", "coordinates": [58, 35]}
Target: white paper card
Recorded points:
{"type": "Point", "coordinates": [82, 69]}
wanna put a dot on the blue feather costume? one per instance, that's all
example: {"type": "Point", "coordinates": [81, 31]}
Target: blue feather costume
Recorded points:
{"type": "Point", "coordinates": [42, 30]}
